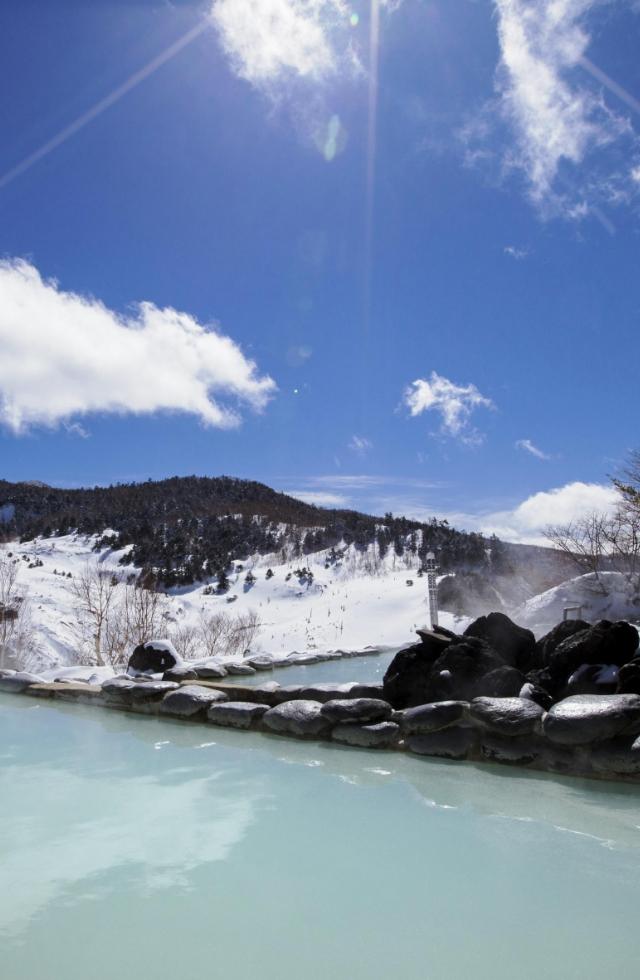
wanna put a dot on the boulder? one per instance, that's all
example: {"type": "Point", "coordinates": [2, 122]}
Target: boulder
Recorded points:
{"type": "Point", "coordinates": [459, 673]}
{"type": "Point", "coordinates": [537, 694]}
{"type": "Point", "coordinates": [604, 643]}
{"type": "Point", "coordinates": [121, 692]}
{"type": "Point", "coordinates": [154, 657]}
{"type": "Point", "coordinates": [506, 716]}
{"type": "Point", "coordinates": [378, 736]}
{"type": "Point", "coordinates": [260, 663]}
{"type": "Point", "coordinates": [592, 679]}
{"type": "Point", "coordinates": [616, 757]}
{"type": "Point", "coordinates": [629, 678]}
{"type": "Point", "coordinates": [546, 646]}
{"type": "Point", "coordinates": [520, 750]}
{"type": "Point", "coordinates": [502, 682]}
{"type": "Point", "coordinates": [190, 701]}
{"type": "Point", "coordinates": [300, 717]}
{"type": "Point", "coordinates": [414, 677]}
{"type": "Point", "coordinates": [450, 743]}
{"type": "Point", "coordinates": [514, 644]}
{"type": "Point", "coordinates": [360, 710]}
{"type": "Point", "coordinates": [210, 672]}
{"type": "Point", "coordinates": [15, 682]}
{"type": "Point", "coordinates": [405, 681]}
{"type": "Point", "coordinates": [236, 714]}
{"type": "Point", "coordinates": [321, 692]}
{"type": "Point", "coordinates": [587, 718]}
{"type": "Point", "coordinates": [179, 674]}
{"type": "Point", "coordinates": [241, 669]}
{"type": "Point", "coordinates": [425, 718]}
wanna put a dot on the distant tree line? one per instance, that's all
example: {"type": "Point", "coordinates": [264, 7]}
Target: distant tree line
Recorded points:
{"type": "Point", "coordinates": [188, 529]}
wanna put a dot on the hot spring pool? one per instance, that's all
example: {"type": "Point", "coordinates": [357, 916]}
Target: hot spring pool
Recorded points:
{"type": "Point", "coordinates": [137, 848]}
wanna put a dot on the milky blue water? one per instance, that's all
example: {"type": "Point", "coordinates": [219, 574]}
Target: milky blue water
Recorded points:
{"type": "Point", "coordinates": [137, 848]}
{"type": "Point", "coordinates": [366, 670]}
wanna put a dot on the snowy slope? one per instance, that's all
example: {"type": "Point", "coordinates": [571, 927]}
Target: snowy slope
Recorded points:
{"type": "Point", "coordinates": [610, 598]}
{"type": "Point", "coordinates": [352, 604]}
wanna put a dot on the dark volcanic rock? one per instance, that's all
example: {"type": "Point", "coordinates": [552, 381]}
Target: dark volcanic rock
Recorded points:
{"type": "Point", "coordinates": [604, 643]}
{"type": "Point", "coordinates": [236, 714]}
{"type": "Point", "coordinates": [154, 657]}
{"type": "Point", "coordinates": [502, 682]}
{"type": "Point", "coordinates": [521, 750]}
{"type": "Point", "coordinates": [459, 673]}
{"type": "Point", "coordinates": [618, 757]}
{"type": "Point", "coordinates": [300, 717]}
{"type": "Point", "coordinates": [514, 644]}
{"type": "Point", "coordinates": [548, 643]}
{"type": "Point", "coordinates": [360, 710]}
{"type": "Point", "coordinates": [451, 743]}
{"type": "Point", "coordinates": [190, 701]}
{"type": "Point", "coordinates": [378, 736]}
{"type": "Point", "coordinates": [425, 718]}
{"type": "Point", "coordinates": [629, 678]}
{"type": "Point", "coordinates": [592, 679]}
{"type": "Point", "coordinates": [506, 716]}
{"type": "Point", "coordinates": [532, 692]}
{"type": "Point", "coordinates": [591, 718]}
{"type": "Point", "coordinates": [405, 681]}
{"type": "Point", "coordinates": [180, 674]}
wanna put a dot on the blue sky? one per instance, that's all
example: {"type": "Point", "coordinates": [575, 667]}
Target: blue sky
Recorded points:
{"type": "Point", "coordinates": [382, 255]}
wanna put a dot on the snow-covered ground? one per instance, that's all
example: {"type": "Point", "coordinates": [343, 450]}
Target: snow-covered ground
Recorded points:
{"type": "Point", "coordinates": [611, 596]}
{"type": "Point", "coordinates": [349, 605]}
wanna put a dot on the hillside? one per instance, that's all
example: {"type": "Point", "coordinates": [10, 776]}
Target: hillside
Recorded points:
{"type": "Point", "coordinates": [189, 529]}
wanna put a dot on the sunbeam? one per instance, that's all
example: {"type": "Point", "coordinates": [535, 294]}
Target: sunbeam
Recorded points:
{"type": "Point", "coordinates": [96, 110]}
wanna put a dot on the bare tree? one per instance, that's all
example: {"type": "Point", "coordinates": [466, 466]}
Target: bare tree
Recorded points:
{"type": "Point", "coordinates": [112, 616]}
{"type": "Point", "coordinates": [94, 593]}
{"type": "Point", "coordinates": [187, 639]}
{"type": "Point", "coordinates": [16, 629]}
{"type": "Point", "coordinates": [584, 542]}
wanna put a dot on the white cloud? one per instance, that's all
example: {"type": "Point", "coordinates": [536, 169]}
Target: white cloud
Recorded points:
{"type": "Point", "coordinates": [360, 445]}
{"type": "Point", "coordinates": [65, 355]}
{"type": "Point", "coordinates": [319, 498]}
{"type": "Point", "coordinates": [273, 38]}
{"type": "Point", "coordinates": [555, 117]}
{"type": "Point", "coordinates": [454, 403]}
{"type": "Point", "coordinates": [526, 522]}
{"type": "Point", "coordinates": [516, 253]}
{"type": "Point", "coordinates": [529, 447]}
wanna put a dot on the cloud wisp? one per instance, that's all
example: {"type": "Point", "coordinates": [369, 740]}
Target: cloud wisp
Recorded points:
{"type": "Point", "coordinates": [558, 123]}
{"type": "Point", "coordinates": [530, 448]}
{"type": "Point", "coordinates": [526, 522]}
{"type": "Point", "coordinates": [360, 445]}
{"type": "Point", "coordinates": [66, 355]}
{"type": "Point", "coordinates": [454, 403]}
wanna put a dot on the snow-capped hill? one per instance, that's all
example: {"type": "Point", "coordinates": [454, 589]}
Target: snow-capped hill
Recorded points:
{"type": "Point", "coordinates": [609, 596]}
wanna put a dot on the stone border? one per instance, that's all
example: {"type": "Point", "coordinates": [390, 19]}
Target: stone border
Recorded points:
{"type": "Point", "coordinates": [587, 735]}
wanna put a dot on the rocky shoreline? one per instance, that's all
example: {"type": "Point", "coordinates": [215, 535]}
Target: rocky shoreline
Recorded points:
{"type": "Point", "coordinates": [582, 735]}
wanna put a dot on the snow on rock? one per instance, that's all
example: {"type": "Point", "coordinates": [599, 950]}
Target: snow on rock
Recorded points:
{"type": "Point", "coordinates": [610, 596]}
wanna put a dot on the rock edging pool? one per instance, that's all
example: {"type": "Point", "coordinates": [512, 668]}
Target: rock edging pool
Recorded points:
{"type": "Point", "coordinates": [583, 735]}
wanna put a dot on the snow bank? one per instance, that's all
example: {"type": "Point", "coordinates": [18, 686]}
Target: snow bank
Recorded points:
{"type": "Point", "coordinates": [609, 597]}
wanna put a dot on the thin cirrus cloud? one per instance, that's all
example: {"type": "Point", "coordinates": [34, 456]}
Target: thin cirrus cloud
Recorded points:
{"type": "Point", "coordinates": [554, 116]}
{"type": "Point", "coordinates": [360, 445]}
{"type": "Point", "coordinates": [66, 355]}
{"type": "Point", "coordinates": [533, 450]}
{"type": "Point", "coordinates": [454, 403]}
